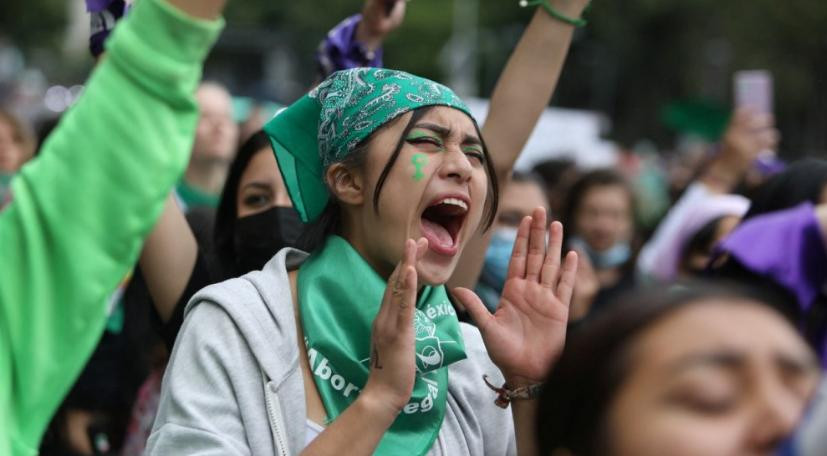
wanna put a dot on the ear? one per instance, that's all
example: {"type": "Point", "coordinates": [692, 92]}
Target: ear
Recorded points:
{"type": "Point", "coordinates": [346, 184]}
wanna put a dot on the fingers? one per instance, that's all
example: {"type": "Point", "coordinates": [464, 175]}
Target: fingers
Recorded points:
{"type": "Point", "coordinates": [758, 126]}
{"type": "Point", "coordinates": [407, 300]}
{"type": "Point", "coordinates": [421, 248]}
{"type": "Point", "coordinates": [584, 264]}
{"type": "Point", "coordinates": [516, 266]}
{"type": "Point", "coordinates": [401, 288]}
{"type": "Point", "coordinates": [768, 139]}
{"type": "Point", "coordinates": [760, 121]}
{"type": "Point", "coordinates": [473, 304]}
{"type": "Point", "coordinates": [536, 245]}
{"type": "Point", "coordinates": [567, 279]}
{"type": "Point", "coordinates": [751, 119]}
{"type": "Point", "coordinates": [398, 11]}
{"type": "Point", "coordinates": [396, 292]}
{"type": "Point", "coordinates": [551, 264]}
{"type": "Point", "coordinates": [414, 251]}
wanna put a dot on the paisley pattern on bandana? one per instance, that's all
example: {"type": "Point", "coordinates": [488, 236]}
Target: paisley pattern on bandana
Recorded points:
{"type": "Point", "coordinates": [355, 103]}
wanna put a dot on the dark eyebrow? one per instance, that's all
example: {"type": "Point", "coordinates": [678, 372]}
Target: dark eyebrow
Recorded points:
{"type": "Point", "coordinates": [468, 140]}
{"type": "Point", "coordinates": [735, 360]}
{"type": "Point", "coordinates": [729, 360]}
{"type": "Point", "coordinates": [438, 129]}
{"type": "Point", "coordinates": [798, 364]}
{"type": "Point", "coordinates": [260, 185]}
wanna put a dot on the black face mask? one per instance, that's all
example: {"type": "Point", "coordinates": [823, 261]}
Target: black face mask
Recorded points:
{"type": "Point", "coordinates": [260, 236]}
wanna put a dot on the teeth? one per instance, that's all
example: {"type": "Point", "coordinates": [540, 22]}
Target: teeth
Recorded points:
{"type": "Point", "coordinates": [455, 202]}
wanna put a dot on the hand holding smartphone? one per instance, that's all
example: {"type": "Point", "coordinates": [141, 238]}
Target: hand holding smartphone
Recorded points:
{"type": "Point", "coordinates": [753, 90]}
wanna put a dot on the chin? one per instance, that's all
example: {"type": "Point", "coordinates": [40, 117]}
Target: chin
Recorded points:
{"type": "Point", "coordinates": [433, 274]}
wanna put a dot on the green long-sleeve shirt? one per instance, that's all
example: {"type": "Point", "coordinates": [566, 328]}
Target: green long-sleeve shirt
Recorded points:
{"type": "Point", "coordinates": [80, 212]}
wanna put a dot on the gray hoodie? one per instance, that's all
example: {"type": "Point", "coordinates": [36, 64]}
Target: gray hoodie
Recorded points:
{"type": "Point", "coordinates": [233, 383]}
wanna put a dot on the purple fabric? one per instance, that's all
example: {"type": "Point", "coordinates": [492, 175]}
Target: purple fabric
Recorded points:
{"type": "Point", "coordinates": [340, 50]}
{"type": "Point", "coordinates": [96, 6]}
{"type": "Point", "coordinates": [770, 166]}
{"type": "Point", "coordinates": [786, 246]}
{"type": "Point", "coordinates": [700, 210]}
{"type": "Point", "coordinates": [103, 15]}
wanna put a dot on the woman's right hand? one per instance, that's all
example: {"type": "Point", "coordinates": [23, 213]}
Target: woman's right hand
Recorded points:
{"type": "Point", "coordinates": [379, 19]}
{"type": "Point", "coordinates": [392, 365]}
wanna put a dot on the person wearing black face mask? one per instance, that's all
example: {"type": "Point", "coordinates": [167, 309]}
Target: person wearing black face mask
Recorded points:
{"type": "Point", "coordinates": [258, 236]}
{"type": "Point", "coordinates": [253, 221]}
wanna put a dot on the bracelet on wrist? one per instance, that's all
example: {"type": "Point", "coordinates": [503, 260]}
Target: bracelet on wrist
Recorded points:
{"type": "Point", "coordinates": [505, 394]}
{"type": "Point", "coordinates": [577, 22]}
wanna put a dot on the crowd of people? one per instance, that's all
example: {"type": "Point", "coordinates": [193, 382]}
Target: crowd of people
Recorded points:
{"type": "Point", "coordinates": [366, 272]}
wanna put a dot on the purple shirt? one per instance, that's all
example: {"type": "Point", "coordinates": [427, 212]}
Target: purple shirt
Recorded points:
{"type": "Point", "coordinates": [786, 246]}
{"type": "Point", "coordinates": [340, 50]}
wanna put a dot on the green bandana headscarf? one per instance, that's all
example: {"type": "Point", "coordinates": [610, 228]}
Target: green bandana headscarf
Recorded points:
{"type": "Point", "coordinates": [339, 296]}
{"type": "Point", "coordinates": [325, 125]}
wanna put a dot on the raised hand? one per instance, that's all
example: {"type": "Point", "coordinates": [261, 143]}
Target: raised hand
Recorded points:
{"type": "Point", "coordinates": [585, 289]}
{"type": "Point", "coordinates": [527, 332]}
{"type": "Point", "coordinates": [392, 364]}
{"type": "Point", "coordinates": [379, 18]}
{"type": "Point", "coordinates": [749, 133]}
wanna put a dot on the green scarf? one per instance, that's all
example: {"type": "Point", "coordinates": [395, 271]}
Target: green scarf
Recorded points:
{"type": "Point", "coordinates": [339, 296]}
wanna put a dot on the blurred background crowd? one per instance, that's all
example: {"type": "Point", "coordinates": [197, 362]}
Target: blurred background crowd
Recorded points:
{"type": "Point", "coordinates": [645, 152]}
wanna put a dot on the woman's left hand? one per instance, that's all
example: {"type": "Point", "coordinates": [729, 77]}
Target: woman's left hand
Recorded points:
{"type": "Point", "coordinates": [527, 332]}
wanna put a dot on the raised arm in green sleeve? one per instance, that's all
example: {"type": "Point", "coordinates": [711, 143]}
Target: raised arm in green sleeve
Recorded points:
{"type": "Point", "coordinates": [79, 212]}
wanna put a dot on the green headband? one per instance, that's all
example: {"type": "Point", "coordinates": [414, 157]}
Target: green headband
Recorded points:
{"type": "Point", "coordinates": [325, 126]}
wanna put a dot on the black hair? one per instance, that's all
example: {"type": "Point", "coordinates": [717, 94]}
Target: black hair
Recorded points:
{"type": "Point", "coordinates": [701, 242]}
{"type": "Point", "coordinates": [227, 211]}
{"type": "Point", "coordinates": [595, 178]}
{"type": "Point", "coordinates": [802, 181]}
{"type": "Point", "coordinates": [529, 177]}
{"type": "Point", "coordinates": [553, 171]}
{"type": "Point", "coordinates": [573, 409]}
{"type": "Point", "coordinates": [330, 221]}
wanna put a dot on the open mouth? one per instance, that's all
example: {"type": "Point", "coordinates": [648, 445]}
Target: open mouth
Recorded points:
{"type": "Point", "coordinates": [441, 224]}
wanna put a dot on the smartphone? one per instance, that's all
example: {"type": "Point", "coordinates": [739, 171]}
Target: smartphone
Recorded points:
{"type": "Point", "coordinates": [753, 89]}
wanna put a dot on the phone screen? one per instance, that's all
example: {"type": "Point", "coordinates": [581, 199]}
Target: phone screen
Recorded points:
{"type": "Point", "coordinates": [753, 89]}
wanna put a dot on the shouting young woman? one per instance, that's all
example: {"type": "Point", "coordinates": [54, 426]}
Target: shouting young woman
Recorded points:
{"type": "Point", "coordinates": [356, 348]}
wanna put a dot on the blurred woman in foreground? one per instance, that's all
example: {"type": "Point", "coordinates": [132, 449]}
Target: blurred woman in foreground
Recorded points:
{"type": "Point", "coordinates": [698, 370]}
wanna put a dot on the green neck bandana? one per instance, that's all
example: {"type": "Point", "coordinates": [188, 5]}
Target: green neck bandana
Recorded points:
{"type": "Point", "coordinates": [324, 126]}
{"type": "Point", "coordinates": [339, 296]}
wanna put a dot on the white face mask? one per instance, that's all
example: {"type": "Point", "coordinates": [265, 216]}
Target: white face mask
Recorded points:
{"type": "Point", "coordinates": [497, 257]}
{"type": "Point", "coordinates": [614, 256]}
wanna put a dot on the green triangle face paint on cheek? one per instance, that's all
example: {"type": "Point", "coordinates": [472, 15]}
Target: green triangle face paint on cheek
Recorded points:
{"type": "Point", "coordinates": [419, 161]}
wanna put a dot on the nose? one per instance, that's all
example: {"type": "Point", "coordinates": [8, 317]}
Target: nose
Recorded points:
{"type": "Point", "coordinates": [777, 413]}
{"type": "Point", "coordinates": [456, 165]}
